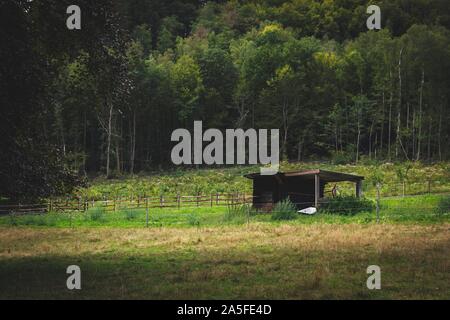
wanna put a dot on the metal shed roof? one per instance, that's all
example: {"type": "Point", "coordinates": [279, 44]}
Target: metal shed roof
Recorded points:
{"type": "Point", "coordinates": [326, 176]}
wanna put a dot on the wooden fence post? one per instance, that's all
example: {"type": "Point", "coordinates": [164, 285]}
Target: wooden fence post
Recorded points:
{"type": "Point", "coordinates": [429, 186]}
{"type": "Point", "coordinates": [198, 195]}
{"type": "Point", "coordinates": [217, 198]}
{"type": "Point", "coordinates": [212, 200]}
{"type": "Point", "coordinates": [178, 200]}
{"type": "Point", "coordinates": [161, 200]}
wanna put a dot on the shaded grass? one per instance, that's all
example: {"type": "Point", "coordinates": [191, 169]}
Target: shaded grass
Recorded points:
{"type": "Point", "coordinates": [259, 261]}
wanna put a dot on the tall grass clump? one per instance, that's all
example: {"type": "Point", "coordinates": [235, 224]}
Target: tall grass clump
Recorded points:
{"type": "Point", "coordinates": [237, 213]}
{"type": "Point", "coordinates": [12, 220]}
{"type": "Point", "coordinates": [347, 205]}
{"type": "Point", "coordinates": [193, 220]}
{"type": "Point", "coordinates": [130, 214]}
{"type": "Point", "coordinates": [443, 205]}
{"type": "Point", "coordinates": [284, 210]}
{"type": "Point", "coordinates": [97, 214]}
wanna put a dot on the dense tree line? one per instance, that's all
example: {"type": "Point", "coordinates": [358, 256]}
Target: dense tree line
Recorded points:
{"type": "Point", "coordinates": [107, 98]}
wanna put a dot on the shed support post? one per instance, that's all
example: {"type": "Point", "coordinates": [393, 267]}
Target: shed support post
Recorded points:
{"type": "Point", "coordinates": [316, 190]}
{"type": "Point", "coordinates": [359, 189]}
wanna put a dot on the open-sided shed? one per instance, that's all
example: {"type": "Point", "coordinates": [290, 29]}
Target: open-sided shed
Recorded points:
{"type": "Point", "coordinates": [304, 188]}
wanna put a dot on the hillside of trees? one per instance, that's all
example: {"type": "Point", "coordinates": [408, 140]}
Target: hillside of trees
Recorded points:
{"type": "Point", "coordinates": [106, 98]}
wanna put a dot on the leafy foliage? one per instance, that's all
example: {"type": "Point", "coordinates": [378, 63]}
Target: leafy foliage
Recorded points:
{"type": "Point", "coordinates": [106, 99]}
{"type": "Point", "coordinates": [347, 205]}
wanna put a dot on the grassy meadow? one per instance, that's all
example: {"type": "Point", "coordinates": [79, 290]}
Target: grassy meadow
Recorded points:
{"type": "Point", "coordinates": [225, 252]}
{"type": "Point", "coordinates": [259, 261]}
{"type": "Point", "coordinates": [226, 180]}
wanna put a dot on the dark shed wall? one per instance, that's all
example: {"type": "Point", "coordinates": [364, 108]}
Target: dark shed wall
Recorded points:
{"type": "Point", "coordinates": [265, 192]}
{"type": "Point", "coordinates": [268, 190]}
{"type": "Point", "coordinates": [301, 191]}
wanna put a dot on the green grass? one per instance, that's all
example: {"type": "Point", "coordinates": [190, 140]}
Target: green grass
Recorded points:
{"type": "Point", "coordinates": [212, 253]}
{"type": "Point", "coordinates": [411, 209]}
{"type": "Point", "coordinates": [258, 261]}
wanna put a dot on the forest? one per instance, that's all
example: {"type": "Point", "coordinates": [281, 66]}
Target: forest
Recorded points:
{"type": "Point", "coordinates": [105, 99]}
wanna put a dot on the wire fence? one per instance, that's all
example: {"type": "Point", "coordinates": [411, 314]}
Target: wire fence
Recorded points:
{"type": "Point", "coordinates": [136, 201]}
{"type": "Point", "coordinates": [132, 202]}
{"type": "Point", "coordinates": [392, 189]}
{"type": "Point", "coordinates": [238, 209]}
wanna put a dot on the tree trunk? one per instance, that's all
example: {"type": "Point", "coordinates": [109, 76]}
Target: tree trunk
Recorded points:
{"type": "Point", "coordinates": [397, 144]}
{"type": "Point", "coordinates": [390, 118]}
{"type": "Point", "coordinates": [84, 142]}
{"type": "Point", "coordinates": [419, 136]}
{"type": "Point", "coordinates": [429, 139]}
{"type": "Point", "coordinates": [399, 104]}
{"type": "Point", "coordinates": [299, 150]}
{"type": "Point", "coordinates": [336, 137]}
{"type": "Point", "coordinates": [439, 135]}
{"type": "Point", "coordinates": [390, 127]}
{"type": "Point", "coordinates": [375, 146]}
{"type": "Point", "coordinates": [414, 133]}
{"type": "Point", "coordinates": [133, 143]}
{"type": "Point", "coordinates": [118, 156]}
{"type": "Point", "coordinates": [407, 116]}
{"type": "Point", "coordinates": [285, 128]}
{"type": "Point", "coordinates": [382, 124]}
{"type": "Point", "coordinates": [370, 139]}
{"type": "Point", "coordinates": [358, 136]}
{"type": "Point", "coordinates": [108, 147]}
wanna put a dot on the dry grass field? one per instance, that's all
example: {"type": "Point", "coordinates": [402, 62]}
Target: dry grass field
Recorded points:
{"type": "Point", "coordinates": [320, 261]}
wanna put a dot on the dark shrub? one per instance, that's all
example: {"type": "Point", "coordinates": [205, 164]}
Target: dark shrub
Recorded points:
{"type": "Point", "coordinates": [347, 205]}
